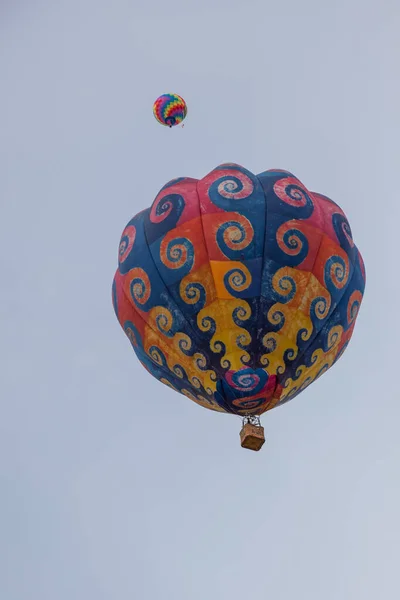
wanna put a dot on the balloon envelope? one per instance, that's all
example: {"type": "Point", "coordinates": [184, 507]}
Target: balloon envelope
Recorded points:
{"type": "Point", "coordinates": [237, 290]}
{"type": "Point", "coordinates": [170, 109]}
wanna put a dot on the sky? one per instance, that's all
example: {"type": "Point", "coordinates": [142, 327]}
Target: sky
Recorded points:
{"type": "Point", "coordinates": [112, 486]}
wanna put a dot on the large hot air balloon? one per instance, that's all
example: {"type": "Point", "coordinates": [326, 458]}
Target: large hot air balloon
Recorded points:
{"type": "Point", "coordinates": [238, 290]}
{"type": "Point", "coordinates": [170, 109]}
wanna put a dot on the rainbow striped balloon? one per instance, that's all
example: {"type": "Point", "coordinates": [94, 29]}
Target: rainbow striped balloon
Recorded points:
{"type": "Point", "coordinates": [170, 109]}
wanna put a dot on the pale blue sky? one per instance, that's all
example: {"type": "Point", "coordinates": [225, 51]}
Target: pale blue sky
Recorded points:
{"type": "Point", "coordinates": [92, 505]}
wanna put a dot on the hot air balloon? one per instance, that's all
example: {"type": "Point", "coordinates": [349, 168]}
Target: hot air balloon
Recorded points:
{"type": "Point", "coordinates": [239, 290]}
{"type": "Point", "coordinates": [170, 109]}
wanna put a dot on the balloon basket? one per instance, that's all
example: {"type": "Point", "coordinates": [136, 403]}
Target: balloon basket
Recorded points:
{"type": "Point", "coordinates": [252, 434]}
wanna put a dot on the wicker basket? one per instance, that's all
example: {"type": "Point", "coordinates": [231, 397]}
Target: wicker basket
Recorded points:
{"type": "Point", "coordinates": [252, 437]}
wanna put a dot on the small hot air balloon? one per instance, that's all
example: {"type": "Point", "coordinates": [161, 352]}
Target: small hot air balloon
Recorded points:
{"type": "Point", "coordinates": [170, 109]}
{"type": "Point", "coordinates": [238, 290]}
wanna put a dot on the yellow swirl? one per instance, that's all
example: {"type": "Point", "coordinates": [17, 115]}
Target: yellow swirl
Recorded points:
{"type": "Point", "coordinates": [239, 279]}
{"type": "Point", "coordinates": [284, 283]}
{"type": "Point", "coordinates": [334, 337]}
{"type": "Point", "coordinates": [162, 319]}
{"type": "Point", "coordinates": [182, 342]}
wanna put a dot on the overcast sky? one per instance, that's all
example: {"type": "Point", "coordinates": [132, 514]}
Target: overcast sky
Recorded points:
{"type": "Point", "coordinates": [113, 487]}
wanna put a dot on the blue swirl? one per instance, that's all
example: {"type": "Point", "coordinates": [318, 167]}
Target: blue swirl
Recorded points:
{"type": "Point", "coordinates": [197, 383]}
{"type": "Point", "coordinates": [158, 357]}
{"type": "Point", "coordinates": [268, 180]}
{"type": "Point", "coordinates": [294, 239]}
{"type": "Point", "coordinates": [174, 254]}
{"type": "Point", "coordinates": [225, 363]}
{"type": "Point", "coordinates": [219, 348]}
{"type": "Point", "coordinates": [302, 339]}
{"type": "Point", "coordinates": [286, 284]}
{"type": "Point", "coordinates": [237, 282]}
{"type": "Point", "coordinates": [172, 206]}
{"type": "Point", "coordinates": [131, 259]}
{"type": "Point", "coordinates": [298, 372]}
{"type": "Point", "coordinates": [232, 252]}
{"type": "Point", "coordinates": [277, 320]}
{"type": "Point", "coordinates": [208, 326]}
{"type": "Point", "coordinates": [341, 227]}
{"type": "Point", "coordinates": [168, 329]}
{"type": "Point", "coordinates": [242, 315]}
{"type": "Point", "coordinates": [123, 244]}
{"type": "Point", "coordinates": [138, 291]}
{"type": "Point", "coordinates": [296, 193]}
{"type": "Point", "coordinates": [186, 346]}
{"type": "Point", "coordinates": [318, 311]}
{"type": "Point", "coordinates": [289, 356]}
{"type": "Point", "coordinates": [243, 341]}
{"type": "Point", "coordinates": [202, 362]}
{"type": "Point", "coordinates": [231, 184]}
{"type": "Point", "coordinates": [354, 309]}
{"type": "Point", "coordinates": [249, 380]}
{"type": "Point", "coordinates": [164, 204]}
{"type": "Point", "coordinates": [269, 344]}
{"type": "Point", "coordinates": [192, 291]}
{"type": "Point", "coordinates": [330, 340]}
{"type": "Point", "coordinates": [180, 372]}
{"type": "Point", "coordinates": [340, 274]}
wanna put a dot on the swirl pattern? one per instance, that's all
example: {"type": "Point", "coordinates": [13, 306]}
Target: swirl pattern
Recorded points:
{"type": "Point", "coordinates": [234, 187]}
{"type": "Point", "coordinates": [165, 205]}
{"type": "Point", "coordinates": [177, 253]}
{"type": "Point", "coordinates": [336, 272]}
{"type": "Point", "coordinates": [139, 286]}
{"type": "Point", "coordinates": [353, 306]}
{"type": "Point", "coordinates": [237, 280]}
{"type": "Point", "coordinates": [193, 293]}
{"type": "Point", "coordinates": [290, 191]}
{"type": "Point", "coordinates": [126, 243]}
{"type": "Point", "coordinates": [343, 231]}
{"type": "Point", "coordinates": [238, 291]}
{"type": "Point", "coordinates": [292, 242]}
{"type": "Point", "coordinates": [233, 237]}
{"type": "Point", "coordinates": [227, 187]}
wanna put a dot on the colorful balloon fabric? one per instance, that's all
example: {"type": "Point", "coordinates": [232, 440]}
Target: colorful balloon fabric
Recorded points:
{"type": "Point", "coordinates": [170, 109]}
{"type": "Point", "coordinates": [237, 290]}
